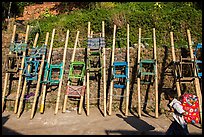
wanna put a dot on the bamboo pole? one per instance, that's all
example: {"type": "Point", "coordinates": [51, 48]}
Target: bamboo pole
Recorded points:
{"type": "Point", "coordinates": [112, 60]}
{"type": "Point", "coordinates": [174, 59]}
{"type": "Point", "coordinates": [156, 80]}
{"type": "Point", "coordinates": [39, 79]}
{"type": "Point", "coordinates": [44, 85]}
{"type": "Point", "coordinates": [25, 82]}
{"type": "Point", "coordinates": [128, 82]}
{"type": "Point", "coordinates": [20, 73]}
{"type": "Point", "coordinates": [90, 33]}
{"type": "Point", "coordinates": [138, 77]}
{"type": "Point", "coordinates": [75, 45]}
{"type": "Point", "coordinates": [73, 56]}
{"type": "Point", "coordinates": [88, 88]}
{"type": "Point", "coordinates": [82, 97]}
{"type": "Point", "coordinates": [104, 70]}
{"type": "Point", "coordinates": [196, 80]}
{"type": "Point", "coordinates": [60, 84]}
{"type": "Point", "coordinates": [7, 74]}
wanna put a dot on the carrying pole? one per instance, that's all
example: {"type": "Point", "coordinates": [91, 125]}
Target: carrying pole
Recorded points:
{"type": "Point", "coordinates": [138, 77]}
{"type": "Point", "coordinates": [112, 60]}
{"type": "Point", "coordinates": [196, 80]}
{"type": "Point", "coordinates": [44, 85]}
{"type": "Point", "coordinates": [60, 84]}
{"type": "Point", "coordinates": [156, 81]}
{"type": "Point", "coordinates": [73, 56]}
{"type": "Point", "coordinates": [128, 81]}
{"type": "Point", "coordinates": [39, 79]}
{"type": "Point", "coordinates": [20, 73]}
{"type": "Point", "coordinates": [174, 60]}
{"type": "Point", "coordinates": [25, 82]}
{"type": "Point", "coordinates": [104, 70]}
{"type": "Point", "coordinates": [7, 74]}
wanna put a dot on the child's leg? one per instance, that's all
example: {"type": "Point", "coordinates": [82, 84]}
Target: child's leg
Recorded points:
{"type": "Point", "coordinates": [172, 130]}
{"type": "Point", "coordinates": [185, 130]}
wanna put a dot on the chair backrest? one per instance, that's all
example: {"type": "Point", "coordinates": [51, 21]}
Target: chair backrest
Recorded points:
{"type": "Point", "coordinates": [96, 43]}
{"type": "Point", "coordinates": [18, 47]}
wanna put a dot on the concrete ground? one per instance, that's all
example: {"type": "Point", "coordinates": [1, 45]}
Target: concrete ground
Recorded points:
{"type": "Point", "coordinates": [70, 123]}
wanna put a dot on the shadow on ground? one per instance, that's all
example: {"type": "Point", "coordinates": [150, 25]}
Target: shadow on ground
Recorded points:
{"type": "Point", "coordinates": [5, 130]}
{"type": "Point", "coordinates": [141, 127]}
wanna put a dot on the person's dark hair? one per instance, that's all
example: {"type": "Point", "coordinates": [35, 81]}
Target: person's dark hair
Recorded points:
{"type": "Point", "coordinates": [170, 93]}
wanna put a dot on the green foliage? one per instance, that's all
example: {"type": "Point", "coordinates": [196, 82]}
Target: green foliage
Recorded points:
{"type": "Point", "coordinates": [46, 14]}
{"type": "Point", "coordinates": [163, 16]}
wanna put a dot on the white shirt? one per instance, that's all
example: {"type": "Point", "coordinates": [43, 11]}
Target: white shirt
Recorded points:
{"type": "Point", "coordinates": [178, 110]}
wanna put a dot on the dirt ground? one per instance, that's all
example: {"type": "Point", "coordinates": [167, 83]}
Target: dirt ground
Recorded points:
{"type": "Point", "coordinates": [70, 123]}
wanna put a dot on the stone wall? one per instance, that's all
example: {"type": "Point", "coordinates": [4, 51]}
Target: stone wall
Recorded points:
{"type": "Point", "coordinates": [165, 78]}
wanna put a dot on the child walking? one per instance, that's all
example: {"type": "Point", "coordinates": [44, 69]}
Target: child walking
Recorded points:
{"type": "Point", "coordinates": [179, 125]}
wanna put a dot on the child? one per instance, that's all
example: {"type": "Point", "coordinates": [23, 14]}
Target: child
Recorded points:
{"type": "Point", "coordinates": [178, 126]}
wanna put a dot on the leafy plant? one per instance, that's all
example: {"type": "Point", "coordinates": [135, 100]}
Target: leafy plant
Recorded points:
{"type": "Point", "coordinates": [163, 16]}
